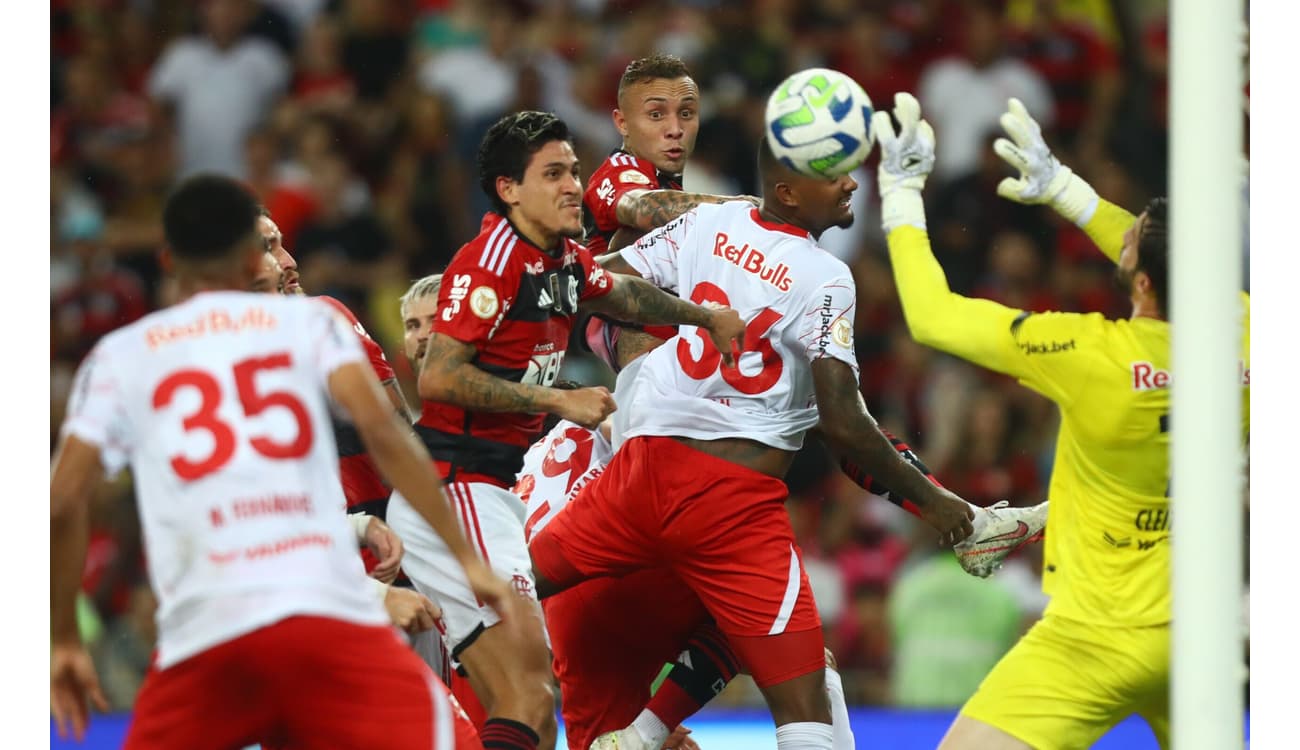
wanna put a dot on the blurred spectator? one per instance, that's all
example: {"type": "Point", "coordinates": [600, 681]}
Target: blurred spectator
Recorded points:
{"type": "Point", "coordinates": [963, 95]}
{"type": "Point", "coordinates": [341, 248]}
{"type": "Point", "coordinates": [990, 467]}
{"type": "Point", "coordinates": [1082, 70]}
{"type": "Point", "coordinates": [375, 47]}
{"type": "Point", "coordinates": [947, 630]}
{"type": "Point", "coordinates": [219, 85]}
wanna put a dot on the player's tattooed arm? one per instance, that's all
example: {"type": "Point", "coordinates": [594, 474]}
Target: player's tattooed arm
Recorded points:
{"type": "Point", "coordinates": [854, 434]}
{"type": "Point", "coordinates": [647, 209]}
{"type": "Point", "coordinates": [635, 300]}
{"type": "Point", "coordinates": [449, 376]}
{"type": "Point", "coordinates": [398, 399]}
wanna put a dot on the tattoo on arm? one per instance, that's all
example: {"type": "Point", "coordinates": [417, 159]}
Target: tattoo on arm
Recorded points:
{"type": "Point", "coordinates": [448, 375]}
{"type": "Point", "coordinates": [647, 209]}
{"type": "Point", "coordinates": [635, 300]}
{"type": "Point", "coordinates": [857, 438]}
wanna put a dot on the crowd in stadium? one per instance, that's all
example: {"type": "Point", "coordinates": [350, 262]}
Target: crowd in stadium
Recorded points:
{"type": "Point", "coordinates": [356, 121]}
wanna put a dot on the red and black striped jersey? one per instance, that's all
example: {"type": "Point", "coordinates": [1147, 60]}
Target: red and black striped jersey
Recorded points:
{"type": "Point", "coordinates": [617, 175]}
{"type": "Point", "coordinates": [516, 305]}
{"type": "Point", "coordinates": [364, 489]}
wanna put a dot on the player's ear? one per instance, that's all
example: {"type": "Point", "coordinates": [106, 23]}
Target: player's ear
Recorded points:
{"type": "Point", "coordinates": [786, 194]}
{"type": "Point", "coordinates": [507, 189]}
{"type": "Point", "coordinates": [1142, 282]}
{"type": "Point", "coordinates": [620, 122]}
{"type": "Point", "coordinates": [166, 262]}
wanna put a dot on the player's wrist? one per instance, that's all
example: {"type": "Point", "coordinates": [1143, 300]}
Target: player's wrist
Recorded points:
{"type": "Point", "coordinates": [360, 524]}
{"type": "Point", "coordinates": [902, 206]}
{"type": "Point", "coordinates": [1072, 197]}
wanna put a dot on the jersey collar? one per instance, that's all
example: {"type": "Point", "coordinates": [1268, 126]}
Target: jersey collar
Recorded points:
{"type": "Point", "coordinates": [778, 226]}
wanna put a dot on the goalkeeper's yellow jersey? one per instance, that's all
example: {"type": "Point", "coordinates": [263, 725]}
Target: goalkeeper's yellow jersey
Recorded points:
{"type": "Point", "coordinates": [1106, 555]}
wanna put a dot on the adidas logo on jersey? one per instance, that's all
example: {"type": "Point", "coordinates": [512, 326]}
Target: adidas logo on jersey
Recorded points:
{"type": "Point", "coordinates": [752, 260]}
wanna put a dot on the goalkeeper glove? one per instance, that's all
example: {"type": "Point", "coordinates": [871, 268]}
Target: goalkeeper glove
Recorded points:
{"type": "Point", "coordinates": [906, 159]}
{"type": "Point", "coordinates": [1043, 179]}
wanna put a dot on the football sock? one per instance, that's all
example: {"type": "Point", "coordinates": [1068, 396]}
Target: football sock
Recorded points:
{"type": "Point", "coordinates": [704, 668]}
{"type": "Point", "coordinates": [507, 734]}
{"type": "Point", "coordinates": [805, 735]}
{"type": "Point", "coordinates": [839, 712]}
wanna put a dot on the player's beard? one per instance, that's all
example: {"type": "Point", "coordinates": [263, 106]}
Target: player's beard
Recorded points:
{"type": "Point", "coordinates": [573, 233]}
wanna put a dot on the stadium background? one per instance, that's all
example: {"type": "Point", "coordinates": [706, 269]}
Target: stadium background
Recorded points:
{"type": "Point", "coordinates": [356, 121]}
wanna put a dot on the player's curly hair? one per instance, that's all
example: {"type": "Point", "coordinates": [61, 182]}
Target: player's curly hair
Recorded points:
{"type": "Point", "coordinates": [1153, 250]}
{"type": "Point", "coordinates": [651, 68]}
{"type": "Point", "coordinates": [510, 144]}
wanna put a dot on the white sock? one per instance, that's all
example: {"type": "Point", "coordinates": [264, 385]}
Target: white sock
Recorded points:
{"type": "Point", "coordinates": [652, 729]}
{"type": "Point", "coordinates": [839, 712]}
{"type": "Point", "coordinates": [805, 735]}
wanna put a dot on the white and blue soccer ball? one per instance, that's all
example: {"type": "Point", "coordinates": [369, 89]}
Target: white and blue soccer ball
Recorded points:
{"type": "Point", "coordinates": [818, 123]}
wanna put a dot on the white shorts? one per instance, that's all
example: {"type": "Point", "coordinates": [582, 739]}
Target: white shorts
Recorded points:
{"type": "Point", "coordinates": [492, 518]}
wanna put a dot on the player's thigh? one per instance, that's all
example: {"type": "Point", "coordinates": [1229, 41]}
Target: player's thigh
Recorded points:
{"type": "Point", "coordinates": [492, 519]}
{"type": "Point", "coordinates": [610, 638]}
{"type": "Point", "coordinates": [736, 550]}
{"type": "Point", "coordinates": [1065, 684]}
{"type": "Point", "coordinates": [609, 528]}
{"type": "Point", "coordinates": [509, 662]}
{"type": "Point", "coordinates": [207, 701]}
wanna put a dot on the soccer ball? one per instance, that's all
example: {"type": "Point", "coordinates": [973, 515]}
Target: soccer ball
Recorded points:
{"type": "Point", "coordinates": [818, 123]}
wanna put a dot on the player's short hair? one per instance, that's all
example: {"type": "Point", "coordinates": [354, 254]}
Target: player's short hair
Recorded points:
{"type": "Point", "coordinates": [652, 68]}
{"type": "Point", "coordinates": [1153, 249]}
{"type": "Point", "coordinates": [207, 216]}
{"type": "Point", "coordinates": [510, 144]}
{"type": "Point", "coordinates": [420, 288]}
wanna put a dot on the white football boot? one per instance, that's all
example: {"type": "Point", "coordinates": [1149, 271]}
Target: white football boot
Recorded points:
{"type": "Point", "coordinates": [999, 531]}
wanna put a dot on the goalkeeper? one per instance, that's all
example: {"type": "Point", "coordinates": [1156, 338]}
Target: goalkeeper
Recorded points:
{"type": "Point", "coordinates": [1101, 650]}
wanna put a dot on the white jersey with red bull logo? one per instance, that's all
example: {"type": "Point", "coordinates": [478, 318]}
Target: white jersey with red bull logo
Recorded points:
{"type": "Point", "coordinates": [797, 299]}
{"type": "Point", "coordinates": [220, 407]}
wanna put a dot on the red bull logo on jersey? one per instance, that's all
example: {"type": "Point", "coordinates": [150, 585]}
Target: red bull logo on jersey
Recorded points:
{"type": "Point", "coordinates": [1148, 377]}
{"type": "Point", "coordinates": [752, 260]}
{"type": "Point", "coordinates": [210, 322]}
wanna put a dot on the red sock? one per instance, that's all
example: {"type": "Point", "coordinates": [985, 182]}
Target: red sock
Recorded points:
{"type": "Point", "coordinates": [507, 734]}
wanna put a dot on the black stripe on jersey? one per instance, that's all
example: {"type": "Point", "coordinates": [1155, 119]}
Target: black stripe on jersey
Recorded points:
{"type": "Point", "coordinates": [555, 292]}
{"type": "Point", "coordinates": [474, 455]}
{"type": "Point", "coordinates": [1021, 318]}
{"type": "Point", "coordinates": [377, 508]}
{"type": "Point", "coordinates": [347, 438]}
{"type": "Point", "coordinates": [513, 374]}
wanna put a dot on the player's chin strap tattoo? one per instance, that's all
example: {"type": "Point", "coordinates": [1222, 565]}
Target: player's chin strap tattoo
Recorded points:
{"type": "Point", "coordinates": [648, 209]}
{"type": "Point", "coordinates": [636, 300]}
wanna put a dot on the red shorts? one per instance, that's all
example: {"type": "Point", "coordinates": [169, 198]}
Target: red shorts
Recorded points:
{"type": "Point", "coordinates": [606, 665]}
{"type": "Point", "coordinates": [305, 683]}
{"type": "Point", "coordinates": [721, 528]}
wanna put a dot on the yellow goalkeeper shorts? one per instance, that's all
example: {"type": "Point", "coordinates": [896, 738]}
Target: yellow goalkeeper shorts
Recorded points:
{"type": "Point", "coordinates": [1066, 683]}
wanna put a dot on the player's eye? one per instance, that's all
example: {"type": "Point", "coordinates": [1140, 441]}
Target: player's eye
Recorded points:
{"type": "Point", "coordinates": [687, 114]}
{"type": "Point", "coordinates": [656, 115]}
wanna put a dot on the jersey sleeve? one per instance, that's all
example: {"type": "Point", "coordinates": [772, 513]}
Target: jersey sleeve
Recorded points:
{"type": "Point", "coordinates": [333, 341]}
{"type": "Point", "coordinates": [1047, 352]}
{"type": "Point", "coordinates": [96, 412]}
{"type": "Point", "coordinates": [374, 352]}
{"type": "Point", "coordinates": [618, 175]}
{"type": "Point", "coordinates": [470, 300]}
{"type": "Point", "coordinates": [826, 326]}
{"type": "Point", "coordinates": [596, 280]}
{"type": "Point", "coordinates": [654, 256]}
